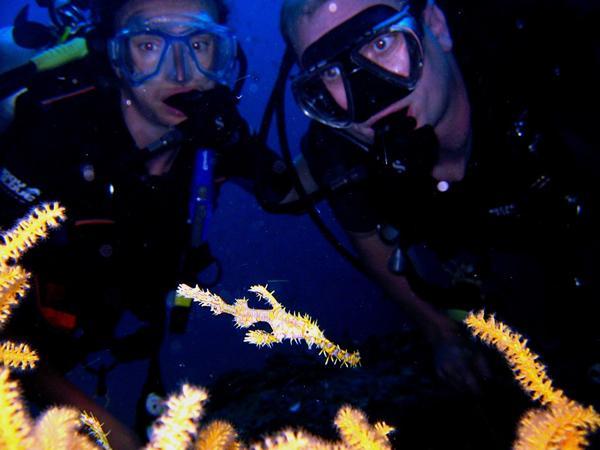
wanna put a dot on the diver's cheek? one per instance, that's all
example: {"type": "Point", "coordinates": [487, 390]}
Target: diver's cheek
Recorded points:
{"type": "Point", "coordinates": [414, 106]}
{"type": "Point", "coordinates": [204, 84]}
{"type": "Point", "coordinates": [425, 108]}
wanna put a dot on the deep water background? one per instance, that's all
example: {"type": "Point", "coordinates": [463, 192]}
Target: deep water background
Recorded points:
{"type": "Point", "coordinates": [285, 252]}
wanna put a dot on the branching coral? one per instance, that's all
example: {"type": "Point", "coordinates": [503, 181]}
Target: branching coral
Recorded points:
{"type": "Point", "coordinates": [529, 372]}
{"type": "Point", "coordinates": [358, 434]}
{"type": "Point", "coordinates": [295, 440]}
{"type": "Point", "coordinates": [15, 423]}
{"type": "Point", "coordinates": [560, 424]}
{"type": "Point", "coordinates": [13, 285]}
{"type": "Point", "coordinates": [355, 431]}
{"type": "Point", "coordinates": [57, 428]}
{"type": "Point", "coordinates": [563, 424]}
{"type": "Point", "coordinates": [218, 435]}
{"type": "Point", "coordinates": [94, 429]}
{"type": "Point", "coordinates": [177, 427]}
{"type": "Point", "coordinates": [30, 230]}
{"type": "Point", "coordinates": [60, 428]}
{"type": "Point", "coordinates": [17, 356]}
{"type": "Point", "coordinates": [14, 280]}
{"type": "Point", "coordinates": [284, 325]}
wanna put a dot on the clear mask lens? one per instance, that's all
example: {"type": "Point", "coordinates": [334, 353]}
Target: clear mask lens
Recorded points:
{"type": "Point", "coordinates": [395, 53]}
{"type": "Point", "coordinates": [323, 97]}
{"type": "Point", "coordinates": [175, 50]}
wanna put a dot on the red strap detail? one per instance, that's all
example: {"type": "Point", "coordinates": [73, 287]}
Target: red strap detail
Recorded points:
{"type": "Point", "coordinates": [53, 293]}
{"type": "Point", "coordinates": [59, 319]}
{"type": "Point", "coordinates": [59, 98]}
{"type": "Point", "coordinates": [84, 222]}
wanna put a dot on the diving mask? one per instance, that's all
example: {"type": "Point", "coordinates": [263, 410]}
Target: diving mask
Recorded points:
{"type": "Point", "coordinates": [176, 47]}
{"type": "Point", "coordinates": [360, 67]}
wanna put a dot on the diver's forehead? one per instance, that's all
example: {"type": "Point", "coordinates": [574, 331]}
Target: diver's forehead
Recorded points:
{"type": "Point", "coordinates": [331, 14]}
{"type": "Point", "coordinates": [140, 10]}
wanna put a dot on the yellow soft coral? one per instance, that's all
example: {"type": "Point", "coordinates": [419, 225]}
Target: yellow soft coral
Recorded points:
{"type": "Point", "coordinates": [15, 423]}
{"type": "Point", "coordinates": [14, 279]}
{"type": "Point", "coordinates": [29, 230]}
{"type": "Point", "coordinates": [284, 325]}
{"type": "Point", "coordinates": [56, 428]}
{"type": "Point", "coordinates": [295, 440]}
{"type": "Point", "coordinates": [60, 428]}
{"type": "Point", "coordinates": [17, 356]}
{"type": "Point", "coordinates": [94, 430]}
{"type": "Point", "coordinates": [530, 373]}
{"type": "Point", "coordinates": [356, 432]}
{"type": "Point", "coordinates": [177, 427]}
{"type": "Point", "coordinates": [217, 435]}
{"type": "Point", "coordinates": [13, 286]}
{"type": "Point", "coordinates": [563, 424]}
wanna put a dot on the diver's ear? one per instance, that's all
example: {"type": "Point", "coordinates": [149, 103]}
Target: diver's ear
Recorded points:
{"type": "Point", "coordinates": [435, 20]}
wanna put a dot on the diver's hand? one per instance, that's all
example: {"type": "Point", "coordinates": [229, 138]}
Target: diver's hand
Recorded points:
{"type": "Point", "coordinates": [460, 364]}
{"type": "Point", "coordinates": [213, 120]}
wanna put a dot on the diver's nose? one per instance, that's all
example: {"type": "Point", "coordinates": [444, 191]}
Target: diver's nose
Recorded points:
{"type": "Point", "coordinates": [179, 61]}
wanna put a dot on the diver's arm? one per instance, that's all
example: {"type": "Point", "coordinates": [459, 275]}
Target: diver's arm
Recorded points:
{"type": "Point", "coordinates": [453, 359]}
{"type": "Point", "coordinates": [52, 388]}
{"type": "Point", "coordinates": [375, 254]}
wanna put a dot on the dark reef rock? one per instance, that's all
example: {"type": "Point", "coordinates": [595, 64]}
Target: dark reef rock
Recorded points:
{"type": "Point", "coordinates": [395, 383]}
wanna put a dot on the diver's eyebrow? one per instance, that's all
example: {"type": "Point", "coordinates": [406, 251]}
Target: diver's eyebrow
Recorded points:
{"type": "Point", "coordinates": [136, 13]}
{"type": "Point", "coordinates": [142, 16]}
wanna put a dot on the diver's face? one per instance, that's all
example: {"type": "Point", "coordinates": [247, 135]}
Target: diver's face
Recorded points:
{"type": "Point", "coordinates": [428, 102]}
{"type": "Point", "coordinates": [149, 97]}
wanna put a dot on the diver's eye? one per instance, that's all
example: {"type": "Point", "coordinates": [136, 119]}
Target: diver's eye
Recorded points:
{"type": "Point", "coordinates": [201, 44]}
{"type": "Point", "coordinates": [382, 43]}
{"type": "Point", "coordinates": [147, 43]}
{"type": "Point", "coordinates": [148, 46]}
{"type": "Point", "coordinates": [331, 73]}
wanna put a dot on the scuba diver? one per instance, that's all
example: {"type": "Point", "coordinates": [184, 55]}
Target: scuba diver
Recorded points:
{"type": "Point", "coordinates": [452, 184]}
{"type": "Point", "coordinates": [134, 142]}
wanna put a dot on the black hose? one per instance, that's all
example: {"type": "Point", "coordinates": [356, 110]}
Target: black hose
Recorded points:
{"type": "Point", "coordinates": [15, 79]}
{"type": "Point", "coordinates": [277, 104]}
{"type": "Point", "coordinates": [277, 95]}
{"type": "Point", "coordinates": [243, 71]}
